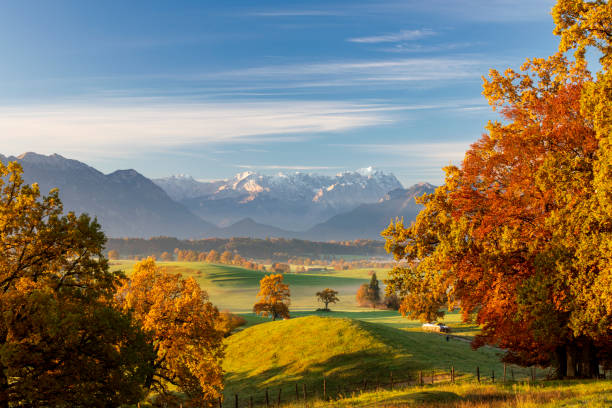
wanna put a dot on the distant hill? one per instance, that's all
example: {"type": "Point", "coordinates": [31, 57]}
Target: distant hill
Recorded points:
{"type": "Point", "coordinates": [249, 228]}
{"type": "Point", "coordinates": [270, 248]}
{"type": "Point", "coordinates": [125, 202]}
{"type": "Point", "coordinates": [368, 220]}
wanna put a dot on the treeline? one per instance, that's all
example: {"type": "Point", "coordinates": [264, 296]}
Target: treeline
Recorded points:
{"type": "Point", "coordinates": [303, 264]}
{"type": "Point", "coordinates": [277, 249]}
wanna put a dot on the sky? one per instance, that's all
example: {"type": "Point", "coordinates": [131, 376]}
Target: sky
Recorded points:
{"type": "Point", "coordinates": [213, 88]}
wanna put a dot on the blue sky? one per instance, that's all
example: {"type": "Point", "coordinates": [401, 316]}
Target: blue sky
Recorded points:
{"type": "Point", "coordinates": [212, 88]}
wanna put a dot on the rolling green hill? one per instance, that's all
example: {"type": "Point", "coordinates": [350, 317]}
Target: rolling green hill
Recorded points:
{"type": "Point", "coordinates": [345, 351]}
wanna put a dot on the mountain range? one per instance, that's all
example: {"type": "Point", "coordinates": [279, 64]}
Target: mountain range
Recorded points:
{"type": "Point", "coordinates": [294, 201]}
{"type": "Point", "coordinates": [347, 206]}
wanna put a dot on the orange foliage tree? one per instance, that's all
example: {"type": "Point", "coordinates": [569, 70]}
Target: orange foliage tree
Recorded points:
{"type": "Point", "coordinates": [273, 297]}
{"type": "Point", "coordinates": [183, 326]}
{"type": "Point", "coordinates": [61, 341]}
{"type": "Point", "coordinates": [503, 234]}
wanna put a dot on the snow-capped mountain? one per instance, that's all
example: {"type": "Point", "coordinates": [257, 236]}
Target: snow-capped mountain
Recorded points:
{"type": "Point", "coordinates": [286, 200]}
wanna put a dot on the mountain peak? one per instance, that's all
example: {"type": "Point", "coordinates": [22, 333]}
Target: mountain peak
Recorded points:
{"type": "Point", "coordinates": [41, 158]}
{"type": "Point", "coordinates": [367, 171]}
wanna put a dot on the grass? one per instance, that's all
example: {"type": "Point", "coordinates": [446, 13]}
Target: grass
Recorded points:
{"type": "Point", "coordinates": [566, 394]}
{"type": "Point", "coordinates": [235, 289]}
{"type": "Point", "coordinates": [351, 343]}
{"type": "Point", "coordinates": [303, 350]}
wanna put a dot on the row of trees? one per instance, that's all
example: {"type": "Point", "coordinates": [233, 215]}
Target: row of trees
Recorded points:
{"type": "Point", "coordinates": [74, 333]}
{"type": "Point", "coordinates": [520, 235]}
{"type": "Point", "coordinates": [276, 249]}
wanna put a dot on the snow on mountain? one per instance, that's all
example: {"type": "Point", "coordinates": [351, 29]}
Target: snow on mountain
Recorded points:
{"type": "Point", "coordinates": [184, 186]}
{"type": "Point", "coordinates": [285, 200]}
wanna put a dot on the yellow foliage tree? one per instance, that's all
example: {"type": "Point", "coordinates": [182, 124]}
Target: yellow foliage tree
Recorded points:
{"type": "Point", "coordinates": [274, 297]}
{"type": "Point", "coordinates": [183, 325]}
{"type": "Point", "coordinates": [61, 342]}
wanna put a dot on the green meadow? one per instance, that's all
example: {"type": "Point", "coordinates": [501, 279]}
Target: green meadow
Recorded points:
{"type": "Point", "coordinates": [351, 344]}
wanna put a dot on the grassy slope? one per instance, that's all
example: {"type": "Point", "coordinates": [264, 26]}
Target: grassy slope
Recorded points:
{"type": "Point", "coordinates": [566, 394]}
{"type": "Point", "coordinates": [345, 351]}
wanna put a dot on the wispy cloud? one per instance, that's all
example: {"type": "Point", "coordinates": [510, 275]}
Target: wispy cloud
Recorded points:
{"type": "Point", "coordinates": [295, 13]}
{"type": "Point", "coordinates": [444, 152]}
{"type": "Point", "coordinates": [347, 73]}
{"type": "Point", "coordinates": [124, 128]}
{"type": "Point", "coordinates": [282, 167]}
{"type": "Point", "coordinates": [403, 35]}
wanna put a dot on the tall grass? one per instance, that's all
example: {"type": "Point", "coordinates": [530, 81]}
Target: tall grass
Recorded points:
{"type": "Point", "coordinates": [566, 394]}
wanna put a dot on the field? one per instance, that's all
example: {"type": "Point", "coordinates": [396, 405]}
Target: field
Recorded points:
{"type": "Point", "coordinates": [550, 394]}
{"type": "Point", "coordinates": [347, 353]}
{"type": "Point", "coordinates": [351, 344]}
{"type": "Point", "coordinates": [234, 288]}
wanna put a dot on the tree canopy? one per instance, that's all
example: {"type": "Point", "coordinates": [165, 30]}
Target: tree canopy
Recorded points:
{"type": "Point", "coordinates": [274, 297]}
{"type": "Point", "coordinates": [61, 341]}
{"type": "Point", "coordinates": [519, 234]}
{"type": "Point", "coordinates": [184, 331]}
{"type": "Point", "coordinates": [327, 296]}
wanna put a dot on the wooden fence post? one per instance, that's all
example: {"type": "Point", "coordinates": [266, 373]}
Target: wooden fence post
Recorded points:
{"type": "Point", "coordinates": [297, 394]}
{"type": "Point", "coordinates": [493, 376]}
{"type": "Point", "coordinates": [251, 402]}
{"type": "Point", "coordinates": [391, 373]}
{"type": "Point", "coordinates": [324, 389]}
{"type": "Point", "coordinates": [220, 403]}
{"type": "Point", "coordinates": [267, 399]}
{"type": "Point", "coordinates": [478, 374]}
{"type": "Point", "coordinates": [236, 401]}
{"type": "Point", "coordinates": [304, 391]}
{"type": "Point", "coordinates": [278, 402]}
{"type": "Point", "coordinates": [453, 374]}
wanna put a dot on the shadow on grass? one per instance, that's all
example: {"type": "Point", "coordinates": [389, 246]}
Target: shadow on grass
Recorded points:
{"type": "Point", "coordinates": [343, 374]}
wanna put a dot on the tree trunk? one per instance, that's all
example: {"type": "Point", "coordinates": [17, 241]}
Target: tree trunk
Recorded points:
{"type": "Point", "coordinates": [572, 360]}
{"type": "Point", "coordinates": [561, 362]}
{"type": "Point", "coordinates": [589, 362]}
{"type": "Point", "coordinates": [4, 398]}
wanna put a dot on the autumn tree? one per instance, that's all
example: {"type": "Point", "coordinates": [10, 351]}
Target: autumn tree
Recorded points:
{"type": "Point", "coordinates": [281, 267]}
{"type": "Point", "coordinates": [165, 256]}
{"type": "Point", "coordinates": [184, 329]}
{"type": "Point", "coordinates": [374, 290]}
{"type": "Point", "coordinates": [113, 254]}
{"type": "Point", "coordinates": [61, 341]}
{"type": "Point", "coordinates": [520, 233]}
{"type": "Point", "coordinates": [212, 257]}
{"type": "Point", "coordinates": [228, 322]}
{"type": "Point", "coordinates": [226, 257]}
{"type": "Point", "coordinates": [273, 297]}
{"type": "Point", "coordinates": [328, 296]}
